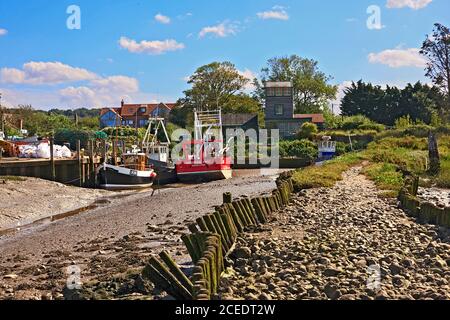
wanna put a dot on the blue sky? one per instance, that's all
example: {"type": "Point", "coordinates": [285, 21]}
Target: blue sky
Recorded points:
{"type": "Point", "coordinates": [143, 50]}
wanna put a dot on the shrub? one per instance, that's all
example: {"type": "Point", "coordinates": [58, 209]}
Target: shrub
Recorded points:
{"type": "Point", "coordinates": [386, 177]}
{"type": "Point", "coordinates": [404, 122]}
{"type": "Point", "coordinates": [372, 127]}
{"type": "Point", "coordinates": [298, 148]}
{"type": "Point", "coordinates": [307, 131]}
{"type": "Point", "coordinates": [354, 122]}
{"type": "Point", "coordinates": [326, 175]}
{"type": "Point", "coordinates": [71, 136]}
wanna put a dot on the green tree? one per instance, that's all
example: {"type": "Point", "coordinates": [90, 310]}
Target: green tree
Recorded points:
{"type": "Point", "coordinates": [92, 123]}
{"type": "Point", "coordinates": [384, 106]}
{"type": "Point", "coordinates": [311, 86]}
{"type": "Point", "coordinates": [307, 131]}
{"type": "Point", "coordinates": [213, 85]}
{"type": "Point", "coordinates": [436, 49]}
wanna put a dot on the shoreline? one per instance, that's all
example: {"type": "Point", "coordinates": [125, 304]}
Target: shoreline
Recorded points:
{"type": "Point", "coordinates": [113, 238]}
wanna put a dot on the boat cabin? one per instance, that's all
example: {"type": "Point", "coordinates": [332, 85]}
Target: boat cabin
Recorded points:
{"type": "Point", "coordinates": [135, 161]}
{"type": "Point", "coordinates": [327, 148]}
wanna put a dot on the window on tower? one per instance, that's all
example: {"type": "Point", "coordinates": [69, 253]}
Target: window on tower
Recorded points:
{"type": "Point", "coordinates": [279, 109]}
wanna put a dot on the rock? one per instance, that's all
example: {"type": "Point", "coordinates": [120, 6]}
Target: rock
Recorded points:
{"type": "Point", "coordinates": [323, 261]}
{"type": "Point", "coordinates": [395, 269]}
{"type": "Point", "coordinates": [46, 296]}
{"type": "Point", "coordinates": [242, 253]}
{"type": "Point", "coordinates": [332, 272]}
{"type": "Point", "coordinates": [332, 291]}
{"type": "Point", "coordinates": [407, 263]}
{"type": "Point", "coordinates": [439, 262]}
{"type": "Point", "coordinates": [251, 296]}
{"type": "Point", "coordinates": [10, 276]}
{"type": "Point", "coordinates": [264, 297]}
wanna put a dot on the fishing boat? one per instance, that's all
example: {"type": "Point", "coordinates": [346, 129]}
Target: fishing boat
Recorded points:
{"type": "Point", "coordinates": [158, 152]}
{"type": "Point", "coordinates": [204, 158]}
{"type": "Point", "coordinates": [132, 174]}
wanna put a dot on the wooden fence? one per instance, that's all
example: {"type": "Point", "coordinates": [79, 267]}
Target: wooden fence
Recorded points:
{"type": "Point", "coordinates": [212, 238]}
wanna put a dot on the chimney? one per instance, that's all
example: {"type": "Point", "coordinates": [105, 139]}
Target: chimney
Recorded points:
{"type": "Point", "coordinates": [122, 103]}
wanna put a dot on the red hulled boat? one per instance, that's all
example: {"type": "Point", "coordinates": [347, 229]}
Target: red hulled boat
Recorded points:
{"type": "Point", "coordinates": [204, 158]}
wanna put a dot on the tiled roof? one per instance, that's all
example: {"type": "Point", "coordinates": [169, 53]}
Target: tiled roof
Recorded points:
{"type": "Point", "coordinates": [315, 118]}
{"type": "Point", "coordinates": [237, 119]}
{"type": "Point", "coordinates": [131, 110]}
{"type": "Point", "coordinates": [278, 84]}
{"type": "Point", "coordinates": [106, 110]}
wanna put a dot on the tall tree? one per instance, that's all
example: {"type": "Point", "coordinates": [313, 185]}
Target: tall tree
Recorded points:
{"type": "Point", "coordinates": [311, 87]}
{"type": "Point", "coordinates": [417, 101]}
{"type": "Point", "coordinates": [213, 85]}
{"type": "Point", "coordinates": [436, 49]}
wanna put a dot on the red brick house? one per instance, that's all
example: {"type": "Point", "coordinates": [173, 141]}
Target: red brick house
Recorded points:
{"type": "Point", "coordinates": [134, 115]}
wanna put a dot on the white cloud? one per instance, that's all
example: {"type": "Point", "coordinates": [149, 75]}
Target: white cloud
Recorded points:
{"type": "Point", "coordinates": [45, 73]}
{"type": "Point", "coordinates": [250, 75]}
{"type": "Point", "coordinates": [162, 18]}
{"type": "Point", "coordinates": [397, 58]}
{"type": "Point", "coordinates": [150, 47]}
{"type": "Point", "coordinates": [3, 32]}
{"type": "Point", "coordinates": [116, 83]}
{"type": "Point", "coordinates": [277, 12]}
{"type": "Point", "coordinates": [413, 4]}
{"type": "Point", "coordinates": [95, 91]}
{"type": "Point", "coordinates": [80, 96]}
{"type": "Point", "coordinates": [221, 30]}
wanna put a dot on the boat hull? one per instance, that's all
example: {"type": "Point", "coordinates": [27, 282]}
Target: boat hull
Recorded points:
{"type": "Point", "coordinates": [202, 172]}
{"type": "Point", "coordinates": [119, 178]}
{"type": "Point", "coordinates": [205, 176]}
{"type": "Point", "coordinates": [166, 174]}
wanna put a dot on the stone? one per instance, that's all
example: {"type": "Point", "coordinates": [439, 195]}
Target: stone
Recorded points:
{"type": "Point", "coordinates": [242, 253]}
{"type": "Point", "coordinates": [332, 272]}
{"type": "Point", "coordinates": [395, 269]}
{"type": "Point", "coordinates": [332, 291]}
{"type": "Point", "coordinates": [10, 276]}
{"type": "Point", "coordinates": [264, 296]}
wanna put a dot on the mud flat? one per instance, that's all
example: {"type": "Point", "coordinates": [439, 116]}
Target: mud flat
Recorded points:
{"type": "Point", "coordinates": [25, 200]}
{"type": "Point", "coordinates": [111, 243]}
{"type": "Point", "coordinates": [342, 243]}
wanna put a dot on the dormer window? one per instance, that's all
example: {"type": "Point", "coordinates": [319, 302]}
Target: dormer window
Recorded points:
{"type": "Point", "coordinates": [143, 109]}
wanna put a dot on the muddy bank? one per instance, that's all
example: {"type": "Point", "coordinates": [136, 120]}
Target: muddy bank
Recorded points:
{"type": "Point", "coordinates": [113, 240]}
{"type": "Point", "coordinates": [29, 199]}
{"type": "Point", "coordinates": [342, 243]}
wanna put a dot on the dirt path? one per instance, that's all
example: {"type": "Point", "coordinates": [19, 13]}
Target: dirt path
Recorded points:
{"type": "Point", "coordinates": [114, 239]}
{"type": "Point", "coordinates": [342, 243]}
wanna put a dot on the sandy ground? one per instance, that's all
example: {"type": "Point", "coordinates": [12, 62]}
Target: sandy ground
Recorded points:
{"type": "Point", "coordinates": [113, 239]}
{"type": "Point", "coordinates": [341, 243]}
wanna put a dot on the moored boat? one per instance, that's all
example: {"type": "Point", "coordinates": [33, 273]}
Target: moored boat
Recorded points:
{"type": "Point", "coordinates": [204, 158]}
{"type": "Point", "coordinates": [198, 169]}
{"type": "Point", "coordinates": [133, 174]}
